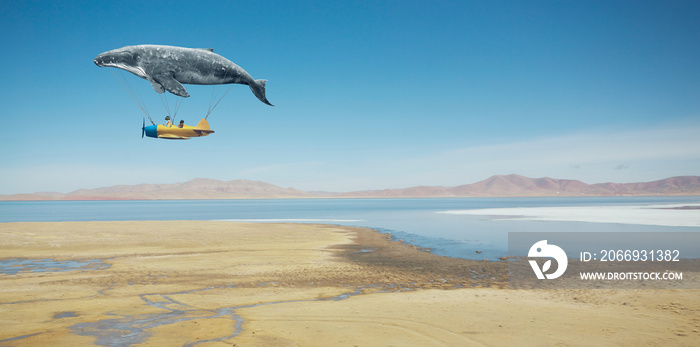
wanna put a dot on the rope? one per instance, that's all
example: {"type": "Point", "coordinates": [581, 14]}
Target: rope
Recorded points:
{"type": "Point", "coordinates": [166, 105]}
{"type": "Point", "coordinates": [217, 103]}
{"type": "Point", "coordinates": [214, 91]}
{"type": "Point", "coordinates": [133, 93]}
{"type": "Point", "coordinates": [178, 103]}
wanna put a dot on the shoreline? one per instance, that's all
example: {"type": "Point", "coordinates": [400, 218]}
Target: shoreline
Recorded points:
{"type": "Point", "coordinates": [191, 282]}
{"type": "Point", "coordinates": [281, 197]}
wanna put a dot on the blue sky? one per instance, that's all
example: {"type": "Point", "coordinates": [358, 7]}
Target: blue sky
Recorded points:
{"type": "Point", "coordinates": [367, 94]}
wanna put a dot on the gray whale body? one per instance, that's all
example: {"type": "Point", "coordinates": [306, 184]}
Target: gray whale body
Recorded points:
{"type": "Point", "coordinates": [169, 67]}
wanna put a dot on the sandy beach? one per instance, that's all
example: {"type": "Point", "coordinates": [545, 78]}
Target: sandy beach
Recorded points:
{"type": "Point", "coordinates": [189, 283]}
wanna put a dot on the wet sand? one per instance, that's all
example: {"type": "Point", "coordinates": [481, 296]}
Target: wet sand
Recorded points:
{"type": "Point", "coordinates": [188, 283]}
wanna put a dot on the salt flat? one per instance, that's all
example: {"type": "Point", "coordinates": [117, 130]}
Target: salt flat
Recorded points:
{"type": "Point", "coordinates": [687, 215]}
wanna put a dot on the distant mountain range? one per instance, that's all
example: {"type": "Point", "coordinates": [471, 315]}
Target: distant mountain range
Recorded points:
{"type": "Point", "coordinates": [516, 185]}
{"type": "Point", "coordinates": [495, 186]}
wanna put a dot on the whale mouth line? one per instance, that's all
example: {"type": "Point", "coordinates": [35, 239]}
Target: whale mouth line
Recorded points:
{"type": "Point", "coordinates": [136, 70]}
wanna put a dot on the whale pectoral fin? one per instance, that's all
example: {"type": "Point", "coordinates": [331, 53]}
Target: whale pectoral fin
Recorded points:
{"type": "Point", "coordinates": [171, 84]}
{"type": "Point", "coordinates": [157, 86]}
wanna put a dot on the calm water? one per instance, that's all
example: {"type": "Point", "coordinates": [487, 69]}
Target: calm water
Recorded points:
{"type": "Point", "coordinates": [413, 220]}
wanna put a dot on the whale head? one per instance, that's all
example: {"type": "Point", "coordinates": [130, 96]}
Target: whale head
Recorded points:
{"type": "Point", "coordinates": [125, 58]}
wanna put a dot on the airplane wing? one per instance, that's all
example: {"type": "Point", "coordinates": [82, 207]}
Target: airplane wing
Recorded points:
{"type": "Point", "coordinates": [172, 137]}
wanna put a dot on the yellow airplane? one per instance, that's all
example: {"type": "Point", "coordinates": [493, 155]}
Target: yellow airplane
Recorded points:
{"type": "Point", "coordinates": [174, 132]}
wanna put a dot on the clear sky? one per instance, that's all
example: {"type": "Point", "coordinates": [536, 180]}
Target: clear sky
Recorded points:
{"type": "Point", "coordinates": [367, 94]}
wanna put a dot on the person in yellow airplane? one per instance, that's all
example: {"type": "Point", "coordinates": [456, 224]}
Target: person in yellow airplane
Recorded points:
{"type": "Point", "coordinates": [167, 121]}
{"type": "Point", "coordinates": [182, 123]}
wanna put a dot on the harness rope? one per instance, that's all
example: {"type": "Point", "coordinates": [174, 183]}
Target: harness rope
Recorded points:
{"type": "Point", "coordinates": [134, 94]}
{"type": "Point", "coordinates": [136, 97]}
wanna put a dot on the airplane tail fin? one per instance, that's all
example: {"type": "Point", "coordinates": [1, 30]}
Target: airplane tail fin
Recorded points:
{"type": "Point", "coordinates": [203, 125]}
{"type": "Point", "coordinates": [202, 128]}
{"type": "Point", "coordinates": [258, 88]}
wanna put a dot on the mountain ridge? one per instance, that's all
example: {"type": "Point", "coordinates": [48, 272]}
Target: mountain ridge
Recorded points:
{"type": "Point", "coordinates": [495, 186]}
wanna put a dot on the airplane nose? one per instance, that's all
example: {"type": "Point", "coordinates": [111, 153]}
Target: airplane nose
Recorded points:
{"type": "Point", "coordinates": [151, 131]}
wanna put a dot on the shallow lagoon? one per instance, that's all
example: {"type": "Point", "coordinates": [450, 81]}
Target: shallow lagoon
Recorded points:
{"type": "Point", "coordinates": [14, 266]}
{"type": "Point", "coordinates": [416, 221]}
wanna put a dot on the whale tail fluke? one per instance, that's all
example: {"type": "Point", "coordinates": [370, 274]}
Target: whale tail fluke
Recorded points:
{"type": "Point", "coordinates": [258, 88]}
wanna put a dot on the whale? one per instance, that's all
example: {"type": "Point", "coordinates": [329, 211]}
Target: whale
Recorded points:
{"type": "Point", "coordinates": [169, 67]}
